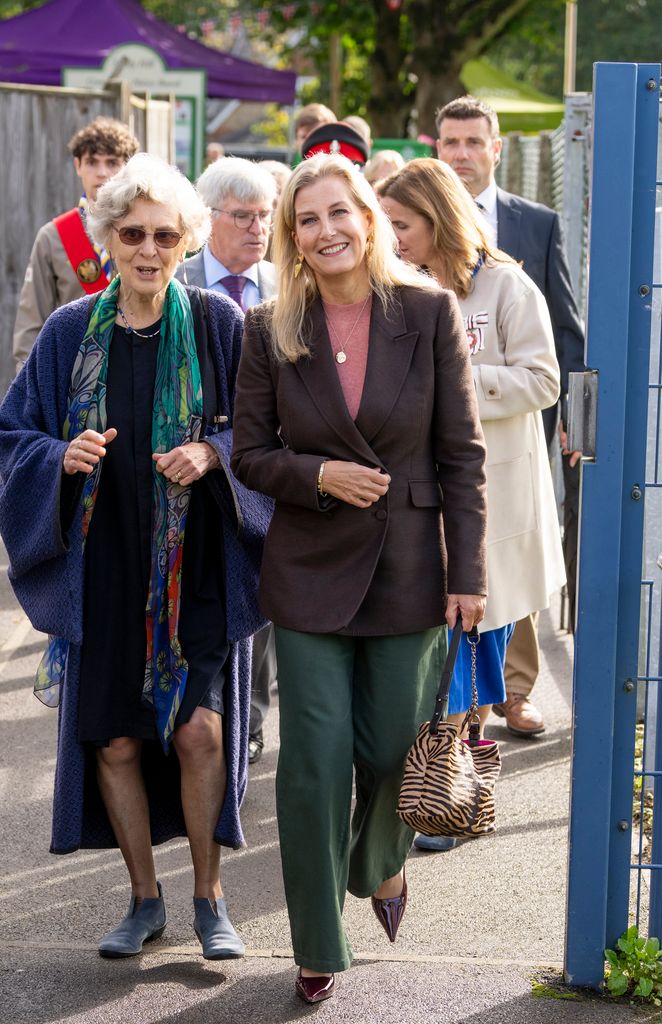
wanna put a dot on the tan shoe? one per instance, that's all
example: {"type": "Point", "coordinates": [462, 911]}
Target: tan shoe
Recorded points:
{"type": "Point", "coordinates": [522, 717]}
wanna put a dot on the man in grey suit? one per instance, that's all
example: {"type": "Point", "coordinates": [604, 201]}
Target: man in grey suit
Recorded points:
{"type": "Point", "coordinates": [469, 141]}
{"type": "Point", "coordinates": [241, 197]}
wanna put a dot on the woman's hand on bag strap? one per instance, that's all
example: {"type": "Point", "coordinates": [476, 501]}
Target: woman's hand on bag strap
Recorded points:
{"type": "Point", "coordinates": [470, 606]}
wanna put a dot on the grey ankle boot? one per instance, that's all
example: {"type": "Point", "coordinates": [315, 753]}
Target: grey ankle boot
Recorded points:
{"type": "Point", "coordinates": [144, 922]}
{"type": "Point", "coordinates": [214, 930]}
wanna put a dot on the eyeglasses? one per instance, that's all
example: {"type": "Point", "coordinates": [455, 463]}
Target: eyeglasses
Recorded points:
{"type": "Point", "coordinates": [244, 219]}
{"type": "Point", "coordinates": [164, 238]}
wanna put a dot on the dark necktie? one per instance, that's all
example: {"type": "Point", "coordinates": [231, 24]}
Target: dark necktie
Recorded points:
{"type": "Point", "coordinates": [235, 284]}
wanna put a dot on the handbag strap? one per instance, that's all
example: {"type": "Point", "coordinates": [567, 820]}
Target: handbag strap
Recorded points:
{"type": "Point", "coordinates": [440, 713]}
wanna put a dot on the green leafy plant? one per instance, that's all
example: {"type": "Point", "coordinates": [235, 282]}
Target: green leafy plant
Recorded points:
{"type": "Point", "coordinates": [635, 967]}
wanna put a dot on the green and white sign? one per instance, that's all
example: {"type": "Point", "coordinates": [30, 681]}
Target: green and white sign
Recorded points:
{"type": "Point", "coordinates": [146, 71]}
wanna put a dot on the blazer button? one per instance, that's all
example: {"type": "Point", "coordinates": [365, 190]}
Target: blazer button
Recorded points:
{"type": "Point", "coordinates": [380, 514]}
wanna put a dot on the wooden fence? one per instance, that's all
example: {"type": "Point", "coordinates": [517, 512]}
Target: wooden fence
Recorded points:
{"type": "Point", "coordinates": [39, 181]}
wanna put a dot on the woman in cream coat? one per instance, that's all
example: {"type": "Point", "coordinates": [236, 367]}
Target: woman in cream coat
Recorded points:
{"type": "Point", "coordinates": [516, 375]}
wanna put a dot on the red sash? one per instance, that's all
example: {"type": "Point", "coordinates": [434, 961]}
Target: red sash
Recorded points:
{"type": "Point", "coordinates": [80, 252]}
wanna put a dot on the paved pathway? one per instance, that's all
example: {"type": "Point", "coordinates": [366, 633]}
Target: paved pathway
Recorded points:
{"type": "Point", "coordinates": [483, 920]}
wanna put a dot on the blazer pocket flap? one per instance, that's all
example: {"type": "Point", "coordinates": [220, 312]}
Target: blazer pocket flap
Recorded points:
{"type": "Point", "coordinates": [425, 493]}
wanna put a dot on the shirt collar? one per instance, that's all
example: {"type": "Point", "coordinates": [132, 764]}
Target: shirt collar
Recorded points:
{"type": "Point", "coordinates": [215, 271]}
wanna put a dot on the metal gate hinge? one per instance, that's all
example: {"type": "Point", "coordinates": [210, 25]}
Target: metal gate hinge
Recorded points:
{"type": "Point", "coordinates": [583, 413]}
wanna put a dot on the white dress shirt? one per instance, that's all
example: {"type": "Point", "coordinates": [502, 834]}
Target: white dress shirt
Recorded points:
{"type": "Point", "coordinates": [488, 201]}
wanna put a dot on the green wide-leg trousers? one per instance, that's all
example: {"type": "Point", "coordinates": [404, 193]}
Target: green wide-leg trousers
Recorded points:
{"type": "Point", "coordinates": [347, 704]}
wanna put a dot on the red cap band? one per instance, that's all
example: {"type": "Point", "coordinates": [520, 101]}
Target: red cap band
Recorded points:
{"type": "Point", "coordinates": [338, 146]}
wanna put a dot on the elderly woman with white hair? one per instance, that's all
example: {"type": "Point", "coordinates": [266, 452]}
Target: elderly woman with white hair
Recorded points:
{"type": "Point", "coordinates": [121, 518]}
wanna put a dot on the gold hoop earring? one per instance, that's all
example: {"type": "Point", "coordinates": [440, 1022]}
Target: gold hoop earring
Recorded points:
{"type": "Point", "coordinates": [298, 265]}
{"type": "Point", "coordinates": [369, 246]}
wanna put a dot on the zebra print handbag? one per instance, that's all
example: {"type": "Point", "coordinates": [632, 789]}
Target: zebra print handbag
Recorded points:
{"type": "Point", "coordinates": [448, 784]}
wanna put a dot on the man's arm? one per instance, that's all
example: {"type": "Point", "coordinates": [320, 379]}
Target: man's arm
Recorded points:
{"type": "Point", "coordinates": [38, 297]}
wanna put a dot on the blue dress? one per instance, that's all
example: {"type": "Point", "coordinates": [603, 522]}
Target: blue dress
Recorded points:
{"type": "Point", "coordinates": [490, 661]}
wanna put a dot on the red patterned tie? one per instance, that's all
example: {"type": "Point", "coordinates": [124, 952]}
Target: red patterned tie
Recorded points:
{"type": "Point", "coordinates": [235, 284]}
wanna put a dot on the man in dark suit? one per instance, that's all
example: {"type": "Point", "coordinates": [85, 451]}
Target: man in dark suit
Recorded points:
{"type": "Point", "coordinates": [241, 196]}
{"type": "Point", "coordinates": [469, 140]}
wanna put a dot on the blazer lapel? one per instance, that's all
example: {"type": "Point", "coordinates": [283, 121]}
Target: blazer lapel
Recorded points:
{"type": "Point", "coordinates": [266, 279]}
{"type": "Point", "coordinates": [320, 377]}
{"type": "Point", "coordinates": [389, 358]}
{"type": "Point", "coordinates": [508, 226]}
{"type": "Point", "coordinates": [194, 271]}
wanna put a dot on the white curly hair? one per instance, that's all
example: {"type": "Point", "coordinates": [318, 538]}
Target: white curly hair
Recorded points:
{"type": "Point", "coordinates": [148, 177]}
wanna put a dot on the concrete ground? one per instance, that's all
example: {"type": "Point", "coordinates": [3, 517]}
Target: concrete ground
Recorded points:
{"type": "Point", "coordinates": [484, 922]}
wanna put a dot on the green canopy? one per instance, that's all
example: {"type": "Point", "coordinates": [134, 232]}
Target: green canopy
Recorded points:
{"type": "Point", "coordinates": [520, 107]}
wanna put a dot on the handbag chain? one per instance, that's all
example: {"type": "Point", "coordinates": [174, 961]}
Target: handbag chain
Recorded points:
{"type": "Point", "coordinates": [472, 717]}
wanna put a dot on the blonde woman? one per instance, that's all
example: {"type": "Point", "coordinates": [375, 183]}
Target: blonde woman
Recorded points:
{"type": "Point", "coordinates": [355, 408]}
{"type": "Point", "coordinates": [508, 335]}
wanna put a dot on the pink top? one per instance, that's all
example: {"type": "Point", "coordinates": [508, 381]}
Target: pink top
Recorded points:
{"type": "Point", "coordinates": [350, 335]}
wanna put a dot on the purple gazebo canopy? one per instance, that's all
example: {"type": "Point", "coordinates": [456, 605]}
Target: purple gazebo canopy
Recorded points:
{"type": "Point", "coordinates": [35, 46]}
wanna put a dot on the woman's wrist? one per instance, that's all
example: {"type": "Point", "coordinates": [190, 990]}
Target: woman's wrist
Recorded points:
{"type": "Point", "coordinates": [214, 459]}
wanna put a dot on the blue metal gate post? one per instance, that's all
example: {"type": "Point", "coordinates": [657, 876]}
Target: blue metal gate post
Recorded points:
{"type": "Point", "coordinates": [626, 99]}
{"type": "Point", "coordinates": [655, 910]}
{"type": "Point", "coordinates": [646, 118]}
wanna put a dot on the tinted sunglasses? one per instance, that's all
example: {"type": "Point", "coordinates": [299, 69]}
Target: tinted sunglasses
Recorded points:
{"type": "Point", "coordinates": [164, 238]}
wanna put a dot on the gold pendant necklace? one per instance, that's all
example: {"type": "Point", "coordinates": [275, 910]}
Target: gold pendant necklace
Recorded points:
{"type": "Point", "coordinates": [341, 355]}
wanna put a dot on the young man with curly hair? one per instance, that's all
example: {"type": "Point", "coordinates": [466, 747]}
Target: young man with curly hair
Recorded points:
{"type": "Point", "coordinates": [64, 263]}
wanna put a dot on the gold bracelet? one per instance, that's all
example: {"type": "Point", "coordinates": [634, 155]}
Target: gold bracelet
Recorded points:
{"type": "Point", "coordinates": [320, 480]}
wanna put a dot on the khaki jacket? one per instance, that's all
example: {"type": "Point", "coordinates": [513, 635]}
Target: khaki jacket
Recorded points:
{"type": "Point", "coordinates": [50, 281]}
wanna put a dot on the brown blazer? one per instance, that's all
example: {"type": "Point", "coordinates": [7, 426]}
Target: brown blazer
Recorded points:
{"type": "Point", "coordinates": [328, 566]}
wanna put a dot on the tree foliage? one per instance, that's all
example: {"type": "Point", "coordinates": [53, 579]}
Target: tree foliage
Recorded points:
{"type": "Point", "coordinates": [402, 58]}
{"type": "Point", "coordinates": [532, 49]}
{"type": "Point", "coordinates": [10, 8]}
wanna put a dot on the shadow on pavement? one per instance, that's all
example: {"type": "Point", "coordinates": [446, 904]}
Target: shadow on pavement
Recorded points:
{"type": "Point", "coordinates": [102, 991]}
{"type": "Point", "coordinates": [525, 755]}
{"type": "Point", "coordinates": [22, 683]}
{"type": "Point", "coordinates": [586, 1009]}
{"type": "Point", "coordinates": [27, 649]}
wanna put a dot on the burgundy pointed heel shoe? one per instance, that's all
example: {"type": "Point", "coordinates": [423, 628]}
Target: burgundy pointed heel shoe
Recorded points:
{"type": "Point", "coordinates": [390, 912]}
{"type": "Point", "coordinates": [316, 988]}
